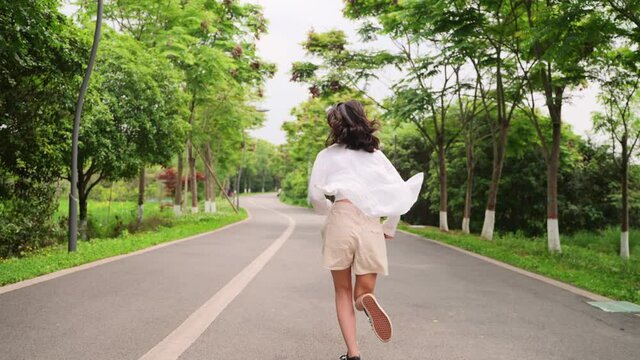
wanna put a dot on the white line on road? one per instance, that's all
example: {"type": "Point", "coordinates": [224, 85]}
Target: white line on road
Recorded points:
{"type": "Point", "coordinates": [180, 339]}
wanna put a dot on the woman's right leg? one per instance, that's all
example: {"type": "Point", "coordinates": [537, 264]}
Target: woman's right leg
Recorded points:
{"type": "Point", "coordinates": [344, 308]}
{"type": "Point", "coordinates": [365, 284]}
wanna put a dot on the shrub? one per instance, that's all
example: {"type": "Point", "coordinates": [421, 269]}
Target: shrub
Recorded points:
{"type": "Point", "coordinates": [26, 219]}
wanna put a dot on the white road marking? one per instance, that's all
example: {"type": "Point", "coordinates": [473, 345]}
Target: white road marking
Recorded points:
{"type": "Point", "coordinates": [57, 274]}
{"type": "Point", "coordinates": [539, 277]}
{"type": "Point", "coordinates": [180, 339]}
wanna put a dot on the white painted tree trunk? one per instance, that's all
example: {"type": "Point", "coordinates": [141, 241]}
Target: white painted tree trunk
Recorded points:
{"type": "Point", "coordinates": [465, 225]}
{"type": "Point", "coordinates": [207, 206]}
{"type": "Point", "coordinates": [83, 230]}
{"type": "Point", "coordinates": [553, 235]}
{"type": "Point", "coordinates": [194, 209]}
{"type": "Point", "coordinates": [624, 244]}
{"type": "Point", "coordinates": [489, 224]}
{"type": "Point", "coordinates": [444, 224]}
{"type": "Point", "coordinates": [177, 210]}
{"type": "Point", "coordinates": [213, 207]}
{"type": "Point", "coordinates": [140, 213]}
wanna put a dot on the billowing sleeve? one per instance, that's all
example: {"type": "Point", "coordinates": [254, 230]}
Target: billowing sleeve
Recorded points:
{"type": "Point", "coordinates": [408, 191]}
{"type": "Point", "coordinates": [315, 196]}
{"type": "Point", "coordinates": [390, 224]}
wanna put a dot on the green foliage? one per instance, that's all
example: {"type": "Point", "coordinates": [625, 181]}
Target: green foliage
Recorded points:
{"type": "Point", "coordinates": [587, 179]}
{"type": "Point", "coordinates": [261, 166]}
{"type": "Point", "coordinates": [40, 59]}
{"type": "Point", "coordinates": [110, 219]}
{"type": "Point", "coordinates": [25, 219]}
{"type": "Point", "coordinates": [138, 118]}
{"type": "Point", "coordinates": [164, 57]}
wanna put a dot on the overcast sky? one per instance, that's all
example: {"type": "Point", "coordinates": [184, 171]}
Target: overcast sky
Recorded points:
{"type": "Point", "coordinates": [289, 23]}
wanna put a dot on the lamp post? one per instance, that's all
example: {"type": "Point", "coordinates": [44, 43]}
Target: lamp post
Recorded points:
{"type": "Point", "coordinates": [73, 195]}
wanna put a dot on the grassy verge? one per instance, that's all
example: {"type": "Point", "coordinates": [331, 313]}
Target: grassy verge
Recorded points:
{"type": "Point", "coordinates": [294, 201]}
{"type": "Point", "coordinates": [582, 266]}
{"type": "Point", "coordinates": [56, 257]}
{"type": "Point", "coordinates": [110, 219]}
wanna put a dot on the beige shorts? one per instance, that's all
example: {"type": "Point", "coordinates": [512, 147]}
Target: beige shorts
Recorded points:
{"type": "Point", "coordinates": [350, 238]}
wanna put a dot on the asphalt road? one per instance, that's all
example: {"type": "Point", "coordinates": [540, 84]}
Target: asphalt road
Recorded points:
{"type": "Point", "coordinates": [444, 304]}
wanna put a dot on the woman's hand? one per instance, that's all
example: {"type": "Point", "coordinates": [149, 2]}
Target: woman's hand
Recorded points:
{"type": "Point", "coordinates": [387, 237]}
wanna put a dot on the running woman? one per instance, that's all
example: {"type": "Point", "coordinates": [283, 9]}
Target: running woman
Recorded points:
{"type": "Point", "coordinates": [365, 186]}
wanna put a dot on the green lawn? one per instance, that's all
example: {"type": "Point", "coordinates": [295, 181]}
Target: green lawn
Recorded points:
{"type": "Point", "coordinates": [109, 219]}
{"type": "Point", "coordinates": [591, 265]}
{"type": "Point", "coordinates": [56, 257]}
{"type": "Point", "coordinates": [294, 201]}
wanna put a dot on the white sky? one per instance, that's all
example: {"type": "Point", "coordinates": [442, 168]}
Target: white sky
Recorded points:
{"type": "Point", "coordinates": [289, 23]}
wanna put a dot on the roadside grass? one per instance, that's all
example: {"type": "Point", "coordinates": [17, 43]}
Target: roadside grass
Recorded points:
{"type": "Point", "coordinates": [293, 201]}
{"type": "Point", "coordinates": [587, 261]}
{"type": "Point", "coordinates": [56, 257]}
{"type": "Point", "coordinates": [107, 220]}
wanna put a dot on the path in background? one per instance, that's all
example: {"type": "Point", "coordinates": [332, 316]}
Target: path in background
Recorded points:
{"type": "Point", "coordinates": [444, 304]}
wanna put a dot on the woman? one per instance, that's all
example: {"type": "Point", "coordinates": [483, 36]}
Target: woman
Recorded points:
{"type": "Point", "coordinates": [366, 187]}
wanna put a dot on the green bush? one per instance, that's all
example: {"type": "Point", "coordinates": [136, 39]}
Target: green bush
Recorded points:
{"type": "Point", "coordinates": [26, 221]}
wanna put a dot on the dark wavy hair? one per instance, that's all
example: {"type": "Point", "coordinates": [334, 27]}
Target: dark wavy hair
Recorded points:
{"type": "Point", "coordinates": [350, 126]}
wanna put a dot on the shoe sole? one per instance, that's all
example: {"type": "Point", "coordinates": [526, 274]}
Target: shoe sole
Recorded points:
{"type": "Point", "coordinates": [380, 321]}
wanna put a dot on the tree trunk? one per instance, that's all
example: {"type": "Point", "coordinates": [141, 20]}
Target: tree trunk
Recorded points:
{"type": "Point", "coordinates": [185, 184]}
{"type": "Point", "coordinates": [82, 200]}
{"type": "Point", "coordinates": [177, 204]}
{"type": "Point", "coordinates": [237, 189]}
{"type": "Point", "coordinates": [225, 187]}
{"type": "Point", "coordinates": [212, 191]}
{"type": "Point", "coordinates": [442, 176]}
{"type": "Point", "coordinates": [207, 185]}
{"type": "Point", "coordinates": [553, 232]}
{"type": "Point", "coordinates": [140, 196]}
{"type": "Point", "coordinates": [240, 173]}
{"type": "Point", "coordinates": [624, 230]}
{"type": "Point", "coordinates": [193, 178]}
{"type": "Point", "coordinates": [191, 159]}
{"type": "Point", "coordinates": [496, 174]}
{"type": "Point", "coordinates": [466, 218]}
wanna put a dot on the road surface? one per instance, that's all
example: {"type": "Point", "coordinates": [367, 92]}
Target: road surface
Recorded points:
{"type": "Point", "coordinates": [256, 290]}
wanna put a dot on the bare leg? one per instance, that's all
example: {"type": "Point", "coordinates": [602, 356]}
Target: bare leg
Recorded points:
{"type": "Point", "coordinates": [344, 309]}
{"type": "Point", "coordinates": [365, 284]}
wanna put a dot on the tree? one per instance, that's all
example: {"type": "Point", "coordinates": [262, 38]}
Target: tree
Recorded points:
{"type": "Point", "coordinates": [485, 31]}
{"type": "Point", "coordinates": [558, 40]}
{"type": "Point", "coordinates": [212, 42]}
{"type": "Point", "coordinates": [620, 97]}
{"type": "Point", "coordinates": [417, 98]}
{"type": "Point", "coordinates": [133, 115]}
{"type": "Point", "coordinates": [40, 58]}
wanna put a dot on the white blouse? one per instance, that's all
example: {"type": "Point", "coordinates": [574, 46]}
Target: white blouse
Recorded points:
{"type": "Point", "coordinates": [368, 180]}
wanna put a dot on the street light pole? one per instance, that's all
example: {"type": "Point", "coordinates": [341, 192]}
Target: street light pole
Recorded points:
{"type": "Point", "coordinates": [73, 194]}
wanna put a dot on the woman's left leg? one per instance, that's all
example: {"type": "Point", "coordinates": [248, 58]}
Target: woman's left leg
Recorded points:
{"type": "Point", "coordinates": [344, 309]}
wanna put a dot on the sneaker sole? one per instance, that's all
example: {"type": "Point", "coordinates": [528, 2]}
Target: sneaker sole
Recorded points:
{"type": "Point", "coordinates": [380, 321]}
